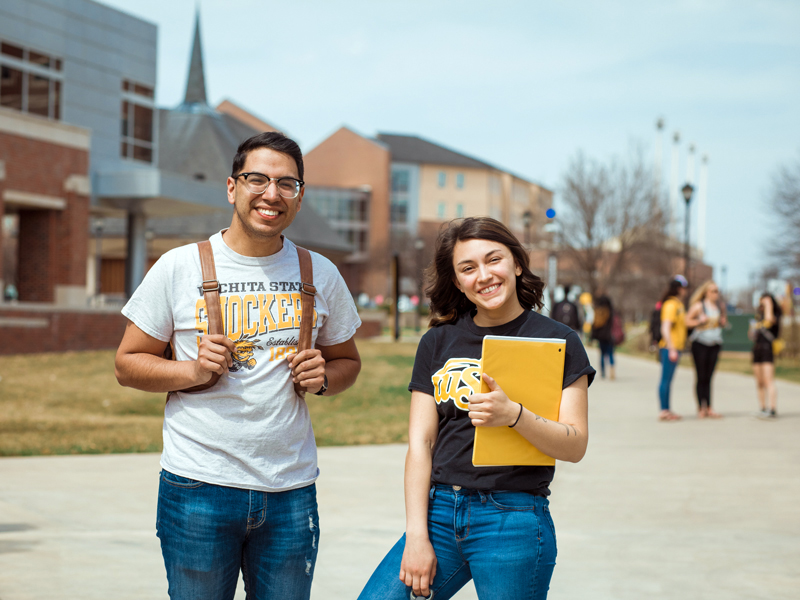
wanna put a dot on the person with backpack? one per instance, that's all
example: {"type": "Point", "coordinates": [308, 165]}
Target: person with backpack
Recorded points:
{"type": "Point", "coordinates": [603, 332]}
{"type": "Point", "coordinates": [706, 339]}
{"type": "Point", "coordinates": [765, 332]}
{"type": "Point", "coordinates": [567, 312]}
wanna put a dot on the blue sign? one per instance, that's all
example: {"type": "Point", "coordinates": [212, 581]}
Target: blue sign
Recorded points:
{"type": "Point", "coordinates": [550, 213]}
{"type": "Point", "coordinates": [796, 291]}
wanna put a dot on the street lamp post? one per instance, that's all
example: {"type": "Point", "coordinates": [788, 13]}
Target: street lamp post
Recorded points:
{"type": "Point", "coordinates": [98, 237]}
{"type": "Point", "coordinates": [687, 195]}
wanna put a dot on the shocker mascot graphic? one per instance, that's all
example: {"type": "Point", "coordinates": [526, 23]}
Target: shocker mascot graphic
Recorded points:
{"type": "Point", "coordinates": [243, 354]}
{"type": "Point", "coordinates": [457, 380]}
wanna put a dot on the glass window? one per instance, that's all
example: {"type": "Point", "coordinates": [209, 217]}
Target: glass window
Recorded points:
{"type": "Point", "coordinates": [124, 116]}
{"type": "Point", "coordinates": [125, 85]}
{"type": "Point", "coordinates": [400, 181]}
{"type": "Point", "coordinates": [142, 90]}
{"type": "Point", "coordinates": [38, 95]}
{"type": "Point", "coordinates": [57, 100]}
{"type": "Point", "coordinates": [142, 123]}
{"type": "Point", "coordinates": [11, 88]}
{"type": "Point", "coordinates": [460, 180]}
{"type": "Point", "coordinates": [39, 59]}
{"type": "Point", "coordinates": [440, 210]}
{"type": "Point", "coordinates": [124, 149]}
{"type": "Point", "coordinates": [142, 153]}
{"type": "Point", "coordinates": [399, 213]}
{"type": "Point", "coordinates": [58, 64]}
{"type": "Point", "coordinates": [442, 179]}
{"type": "Point", "coordinates": [10, 50]}
{"type": "Point", "coordinates": [459, 211]}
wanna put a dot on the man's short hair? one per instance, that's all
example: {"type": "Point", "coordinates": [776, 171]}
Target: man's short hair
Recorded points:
{"type": "Point", "coordinates": [272, 140]}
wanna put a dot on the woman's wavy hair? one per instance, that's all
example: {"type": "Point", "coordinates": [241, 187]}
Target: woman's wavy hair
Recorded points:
{"type": "Point", "coordinates": [672, 289]}
{"type": "Point", "coordinates": [701, 292]}
{"type": "Point", "coordinates": [448, 303]}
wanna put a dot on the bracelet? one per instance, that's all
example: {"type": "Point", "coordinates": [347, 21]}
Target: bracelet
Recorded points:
{"type": "Point", "coordinates": [518, 416]}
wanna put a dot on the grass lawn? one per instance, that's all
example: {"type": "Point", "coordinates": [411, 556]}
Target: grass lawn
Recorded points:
{"type": "Point", "coordinates": [71, 403]}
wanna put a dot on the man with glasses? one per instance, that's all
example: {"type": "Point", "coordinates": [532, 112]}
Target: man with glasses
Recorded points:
{"type": "Point", "coordinates": [239, 461]}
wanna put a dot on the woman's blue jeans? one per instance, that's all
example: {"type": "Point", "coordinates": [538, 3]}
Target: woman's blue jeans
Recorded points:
{"type": "Point", "coordinates": [504, 541]}
{"type": "Point", "coordinates": [209, 532]}
{"type": "Point", "coordinates": [606, 349]}
{"type": "Point", "coordinates": [667, 371]}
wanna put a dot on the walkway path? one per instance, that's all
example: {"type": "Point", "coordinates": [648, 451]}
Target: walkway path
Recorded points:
{"type": "Point", "coordinates": [689, 510]}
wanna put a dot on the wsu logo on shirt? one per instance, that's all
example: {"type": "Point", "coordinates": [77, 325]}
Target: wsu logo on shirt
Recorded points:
{"type": "Point", "coordinates": [457, 380]}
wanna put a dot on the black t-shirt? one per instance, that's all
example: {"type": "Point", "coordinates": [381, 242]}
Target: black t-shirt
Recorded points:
{"type": "Point", "coordinates": [452, 354]}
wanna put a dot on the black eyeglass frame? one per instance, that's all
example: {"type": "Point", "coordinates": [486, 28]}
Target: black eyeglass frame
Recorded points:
{"type": "Point", "coordinates": [298, 183]}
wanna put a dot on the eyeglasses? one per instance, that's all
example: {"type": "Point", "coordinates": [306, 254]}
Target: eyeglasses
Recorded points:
{"type": "Point", "coordinates": [257, 183]}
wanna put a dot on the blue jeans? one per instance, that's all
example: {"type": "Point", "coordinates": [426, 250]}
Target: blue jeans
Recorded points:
{"type": "Point", "coordinates": [606, 349]}
{"type": "Point", "coordinates": [209, 532]}
{"type": "Point", "coordinates": [667, 371]}
{"type": "Point", "coordinates": [504, 541]}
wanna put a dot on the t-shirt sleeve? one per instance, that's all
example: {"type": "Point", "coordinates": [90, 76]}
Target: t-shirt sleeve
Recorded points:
{"type": "Point", "coordinates": [576, 362]}
{"type": "Point", "coordinates": [669, 312]}
{"type": "Point", "coordinates": [421, 375]}
{"type": "Point", "coordinates": [150, 306]}
{"type": "Point", "coordinates": [343, 319]}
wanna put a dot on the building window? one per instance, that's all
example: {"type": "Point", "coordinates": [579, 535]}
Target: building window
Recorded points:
{"type": "Point", "coordinates": [442, 179]}
{"type": "Point", "coordinates": [460, 181]}
{"type": "Point", "coordinates": [401, 181]}
{"type": "Point", "coordinates": [440, 210]}
{"type": "Point", "coordinates": [136, 120]}
{"type": "Point", "coordinates": [459, 211]}
{"type": "Point", "coordinates": [401, 194]}
{"type": "Point", "coordinates": [30, 81]}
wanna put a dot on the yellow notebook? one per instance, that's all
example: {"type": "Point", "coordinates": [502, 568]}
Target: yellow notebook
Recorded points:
{"type": "Point", "coordinates": [529, 371]}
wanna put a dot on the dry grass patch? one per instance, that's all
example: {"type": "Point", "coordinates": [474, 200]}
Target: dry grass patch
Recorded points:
{"type": "Point", "coordinates": [70, 403]}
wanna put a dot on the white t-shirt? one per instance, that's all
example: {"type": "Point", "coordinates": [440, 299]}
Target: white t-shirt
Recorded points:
{"type": "Point", "coordinates": [251, 430]}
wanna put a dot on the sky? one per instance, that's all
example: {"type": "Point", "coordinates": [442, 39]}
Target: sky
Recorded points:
{"type": "Point", "coordinates": [524, 85]}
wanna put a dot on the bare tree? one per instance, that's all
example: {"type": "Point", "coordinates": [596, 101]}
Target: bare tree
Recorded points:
{"type": "Point", "coordinates": [612, 229]}
{"type": "Point", "coordinates": [784, 201]}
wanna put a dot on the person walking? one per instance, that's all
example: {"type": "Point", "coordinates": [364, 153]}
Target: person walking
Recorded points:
{"type": "Point", "coordinates": [602, 331]}
{"type": "Point", "coordinates": [567, 312]}
{"type": "Point", "coordinates": [488, 524]}
{"type": "Point", "coordinates": [236, 490]}
{"type": "Point", "coordinates": [673, 339]}
{"type": "Point", "coordinates": [708, 312]}
{"type": "Point", "coordinates": [766, 331]}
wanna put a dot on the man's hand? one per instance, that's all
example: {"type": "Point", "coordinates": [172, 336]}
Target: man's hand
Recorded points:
{"type": "Point", "coordinates": [213, 356]}
{"type": "Point", "coordinates": [418, 567]}
{"type": "Point", "coordinates": [308, 369]}
{"type": "Point", "coordinates": [493, 408]}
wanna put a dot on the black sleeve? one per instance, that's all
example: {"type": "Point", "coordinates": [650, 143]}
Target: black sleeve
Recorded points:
{"type": "Point", "coordinates": [421, 375]}
{"type": "Point", "coordinates": [576, 363]}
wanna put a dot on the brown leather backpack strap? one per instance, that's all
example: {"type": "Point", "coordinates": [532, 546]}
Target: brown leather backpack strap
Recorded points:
{"type": "Point", "coordinates": [211, 294]}
{"type": "Point", "coordinates": [307, 293]}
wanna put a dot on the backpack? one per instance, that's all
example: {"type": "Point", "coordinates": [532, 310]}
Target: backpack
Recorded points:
{"type": "Point", "coordinates": [567, 313]}
{"type": "Point", "coordinates": [655, 326]}
{"type": "Point", "coordinates": [617, 330]}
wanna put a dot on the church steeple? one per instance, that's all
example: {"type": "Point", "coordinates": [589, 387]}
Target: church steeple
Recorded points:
{"type": "Point", "coordinates": [196, 83]}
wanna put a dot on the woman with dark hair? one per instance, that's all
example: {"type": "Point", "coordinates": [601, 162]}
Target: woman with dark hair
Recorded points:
{"type": "Point", "coordinates": [673, 339]}
{"type": "Point", "coordinates": [766, 331]}
{"type": "Point", "coordinates": [705, 308]}
{"type": "Point", "coordinates": [488, 524]}
{"type": "Point", "coordinates": [602, 332]}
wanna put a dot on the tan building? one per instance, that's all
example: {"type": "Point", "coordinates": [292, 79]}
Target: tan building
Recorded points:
{"type": "Point", "coordinates": [414, 186]}
{"type": "Point", "coordinates": [432, 184]}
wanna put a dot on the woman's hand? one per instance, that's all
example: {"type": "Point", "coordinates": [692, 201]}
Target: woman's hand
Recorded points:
{"type": "Point", "coordinates": [418, 567]}
{"type": "Point", "coordinates": [492, 409]}
{"type": "Point", "coordinates": [673, 355]}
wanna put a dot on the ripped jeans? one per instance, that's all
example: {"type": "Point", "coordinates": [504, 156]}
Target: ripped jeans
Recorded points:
{"type": "Point", "coordinates": [209, 532]}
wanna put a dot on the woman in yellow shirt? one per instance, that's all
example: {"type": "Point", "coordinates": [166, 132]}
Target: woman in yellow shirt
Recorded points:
{"type": "Point", "coordinates": [673, 339]}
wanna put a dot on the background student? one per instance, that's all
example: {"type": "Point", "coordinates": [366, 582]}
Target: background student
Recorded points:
{"type": "Point", "coordinates": [706, 309]}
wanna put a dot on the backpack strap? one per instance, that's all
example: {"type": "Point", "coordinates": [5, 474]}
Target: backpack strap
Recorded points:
{"type": "Point", "coordinates": [307, 293]}
{"type": "Point", "coordinates": [211, 294]}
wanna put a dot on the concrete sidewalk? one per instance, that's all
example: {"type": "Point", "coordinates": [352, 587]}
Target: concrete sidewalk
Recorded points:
{"type": "Point", "coordinates": [684, 510]}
